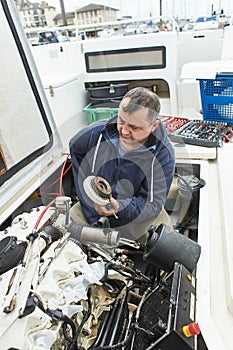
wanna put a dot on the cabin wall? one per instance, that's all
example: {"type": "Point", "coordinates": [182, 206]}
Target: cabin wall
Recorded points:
{"type": "Point", "coordinates": [59, 63]}
{"type": "Point", "coordinates": [164, 78]}
{"type": "Point", "coordinates": [199, 46]}
{"type": "Point", "coordinates": [227, 49]}
{"type": "Point", "coordinates": [61, 71]}
{"type": "Point", "coordinates": [214, 55]}
{"type": "Point", "coordinates": [67, 99]}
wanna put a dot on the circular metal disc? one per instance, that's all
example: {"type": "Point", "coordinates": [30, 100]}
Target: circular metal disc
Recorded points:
{"type": "Point", "coordinates": [92, 192]}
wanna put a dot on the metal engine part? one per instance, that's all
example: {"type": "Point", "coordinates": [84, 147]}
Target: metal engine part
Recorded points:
{"type": "Point", "coordinates": [89, 234]}
{"type": "Point", "coordinates": [188, 191]}
{"type": "Point", "coordinates": [165, 246]}
{"type": "Point", "coordinates": [97, 189]}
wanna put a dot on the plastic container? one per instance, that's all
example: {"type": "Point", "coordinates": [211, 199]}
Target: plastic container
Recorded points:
{"type": "Point", "coordinates": [101, 111]}
{"type": "Point", "coordinates": [217, 99]}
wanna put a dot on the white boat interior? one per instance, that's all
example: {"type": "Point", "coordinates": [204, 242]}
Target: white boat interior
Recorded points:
{"type": "Point", "coordinates": [44, 91]}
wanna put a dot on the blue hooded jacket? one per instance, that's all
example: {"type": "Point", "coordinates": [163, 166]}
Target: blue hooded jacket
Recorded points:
{"type": "Point", "coordinates": [140, 179]}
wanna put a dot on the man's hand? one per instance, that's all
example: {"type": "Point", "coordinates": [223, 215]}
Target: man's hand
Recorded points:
{"type": "Point", "coordinates": [108, 210]}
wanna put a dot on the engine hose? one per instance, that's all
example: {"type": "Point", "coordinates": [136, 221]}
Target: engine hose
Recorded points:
{"type": "Point", "coordinates": [68, 322]}
{"type": "Point", "coordinates": [119, 319]}
{"type": "Point", "coordinates": [102, 328]}
{"type": "Point", "coordinates": [113, 326]}
{"type": "Point", "coordinates": [124, 324]}
{"type": "Point", "coordinates": [86, 315]}
{"type": "Point", "coordinates": [133, 274]}
{"type": "Point", "coordinates": [134, 322]}
{"type": "Point", "coordinates": [113, 266]}
{"type": "Point", "coordinates": [133, 286]}
{"type": "Point", "coordinates": [115, 346]}
{"type": "Point", "coordinates": [122, 343]}
{"type": "Point", "coordinates": [109, 330]}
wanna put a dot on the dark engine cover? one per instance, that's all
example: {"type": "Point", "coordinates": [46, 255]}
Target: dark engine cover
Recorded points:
{"type": "Point", "coordinates": [168, 308]}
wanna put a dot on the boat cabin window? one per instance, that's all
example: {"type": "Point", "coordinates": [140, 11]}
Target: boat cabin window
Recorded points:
{"type": "Point", "coordinates": [126, 59]}
{"type": "Point", "coordinates": [24, 131]}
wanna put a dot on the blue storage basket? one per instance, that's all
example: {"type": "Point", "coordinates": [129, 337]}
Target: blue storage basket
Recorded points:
{"type": "Point", "coordinates": [217, 99]}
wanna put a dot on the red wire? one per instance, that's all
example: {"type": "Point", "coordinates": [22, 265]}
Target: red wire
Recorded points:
{"type": "Point", "coordinates": [60, 194]}
{"type": "Point", "coordinates": [49, 194]}
{"type": "Point", "coordinates": [42, 214]}
{"type": "Point", "coordinates": [53, 183]}
{"type": "Point", "coordinates": [62, 173]}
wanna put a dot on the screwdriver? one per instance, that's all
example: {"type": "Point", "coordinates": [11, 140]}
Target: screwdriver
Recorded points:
{"type": "Point", "coordinates": [110, 207]}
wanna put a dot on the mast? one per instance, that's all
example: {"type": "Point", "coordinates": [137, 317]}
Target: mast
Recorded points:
{"type": "Point", "coordinates": [63, 13]}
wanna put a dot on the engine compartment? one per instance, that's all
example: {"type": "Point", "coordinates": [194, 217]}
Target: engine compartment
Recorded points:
{"type": "Point", "coordinates": [74, 287]}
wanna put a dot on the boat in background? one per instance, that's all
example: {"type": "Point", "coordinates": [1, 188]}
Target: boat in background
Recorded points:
{"type": "Point", "coordinates": [208, 23]}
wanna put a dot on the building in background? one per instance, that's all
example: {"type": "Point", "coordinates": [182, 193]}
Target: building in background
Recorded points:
{"type": "Point", "coordinates": [93, 13]}
{"type": "Point", "coordinates": [41, 14]}
{"type": "Point", "coordinates": [58, 20]}
{"type": "Point", "coordinates": [36, 14]}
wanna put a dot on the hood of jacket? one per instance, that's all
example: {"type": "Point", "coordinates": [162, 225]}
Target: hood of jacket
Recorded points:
{"type": "Point", "coordinates": [108, 132]}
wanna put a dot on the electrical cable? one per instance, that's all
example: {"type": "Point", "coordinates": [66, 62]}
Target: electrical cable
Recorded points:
{"type": "Point", "coordinates": [62, 173]}
{"type": "Point", "coordinates": [54, 182]}
{"type": "Point", "coordinates": [55, 315]}
{"type": "Point", "coordinates": [53, 201]}
{"type": "Point", "coordinates": [42, 214]}
{"type": "Point", "coordinates": [58, 179]}
{"type": "Point", "coordinates": [68, 322]}
{"type": "Point", "coordinates": [115, 346]}
{"type": "Point", "coordinates": [86, 315]}
{"type": "Point", "coordinates": [49, 194]}
{"type": "Point", "coordinates": [129, 273]}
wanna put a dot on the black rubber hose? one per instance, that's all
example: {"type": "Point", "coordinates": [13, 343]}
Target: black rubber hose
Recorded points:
{"type": "Point", "coordinates": [86, 314]}
{"type": "Point", "coordinates": [115, 346]}
{"type": "Point", "coordinates": [68, 322]}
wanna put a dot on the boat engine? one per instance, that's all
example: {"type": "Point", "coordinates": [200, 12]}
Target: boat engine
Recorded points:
{"type": "Point", "coordinates": [71, 286]}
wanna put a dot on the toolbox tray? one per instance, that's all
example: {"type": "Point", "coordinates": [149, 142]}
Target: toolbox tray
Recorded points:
{"type": "Point", "coordinates": [203, 133]}
{"type": "Point", "coordinates": [172, 123]}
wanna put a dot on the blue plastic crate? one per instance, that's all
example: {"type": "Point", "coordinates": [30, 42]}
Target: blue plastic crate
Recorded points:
{"type": "Point", "coordinates": [217, 99]}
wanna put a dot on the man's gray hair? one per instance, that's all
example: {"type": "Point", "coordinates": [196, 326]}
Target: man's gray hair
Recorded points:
{"type": "Point", "coordinates": [141, 96]}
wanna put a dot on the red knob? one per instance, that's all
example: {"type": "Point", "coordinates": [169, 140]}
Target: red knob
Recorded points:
{"type": "Point", "coordinates": [191, 329]}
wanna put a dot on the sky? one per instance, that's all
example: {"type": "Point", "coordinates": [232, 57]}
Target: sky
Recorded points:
{"type": "Point", "coordinates": [145, 8]}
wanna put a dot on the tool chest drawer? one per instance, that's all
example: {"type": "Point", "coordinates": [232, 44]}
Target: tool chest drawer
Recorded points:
{"type": "Point", "coordinates": [172, 123]}
{"type": "Point", "coordinates": [203, 133]}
